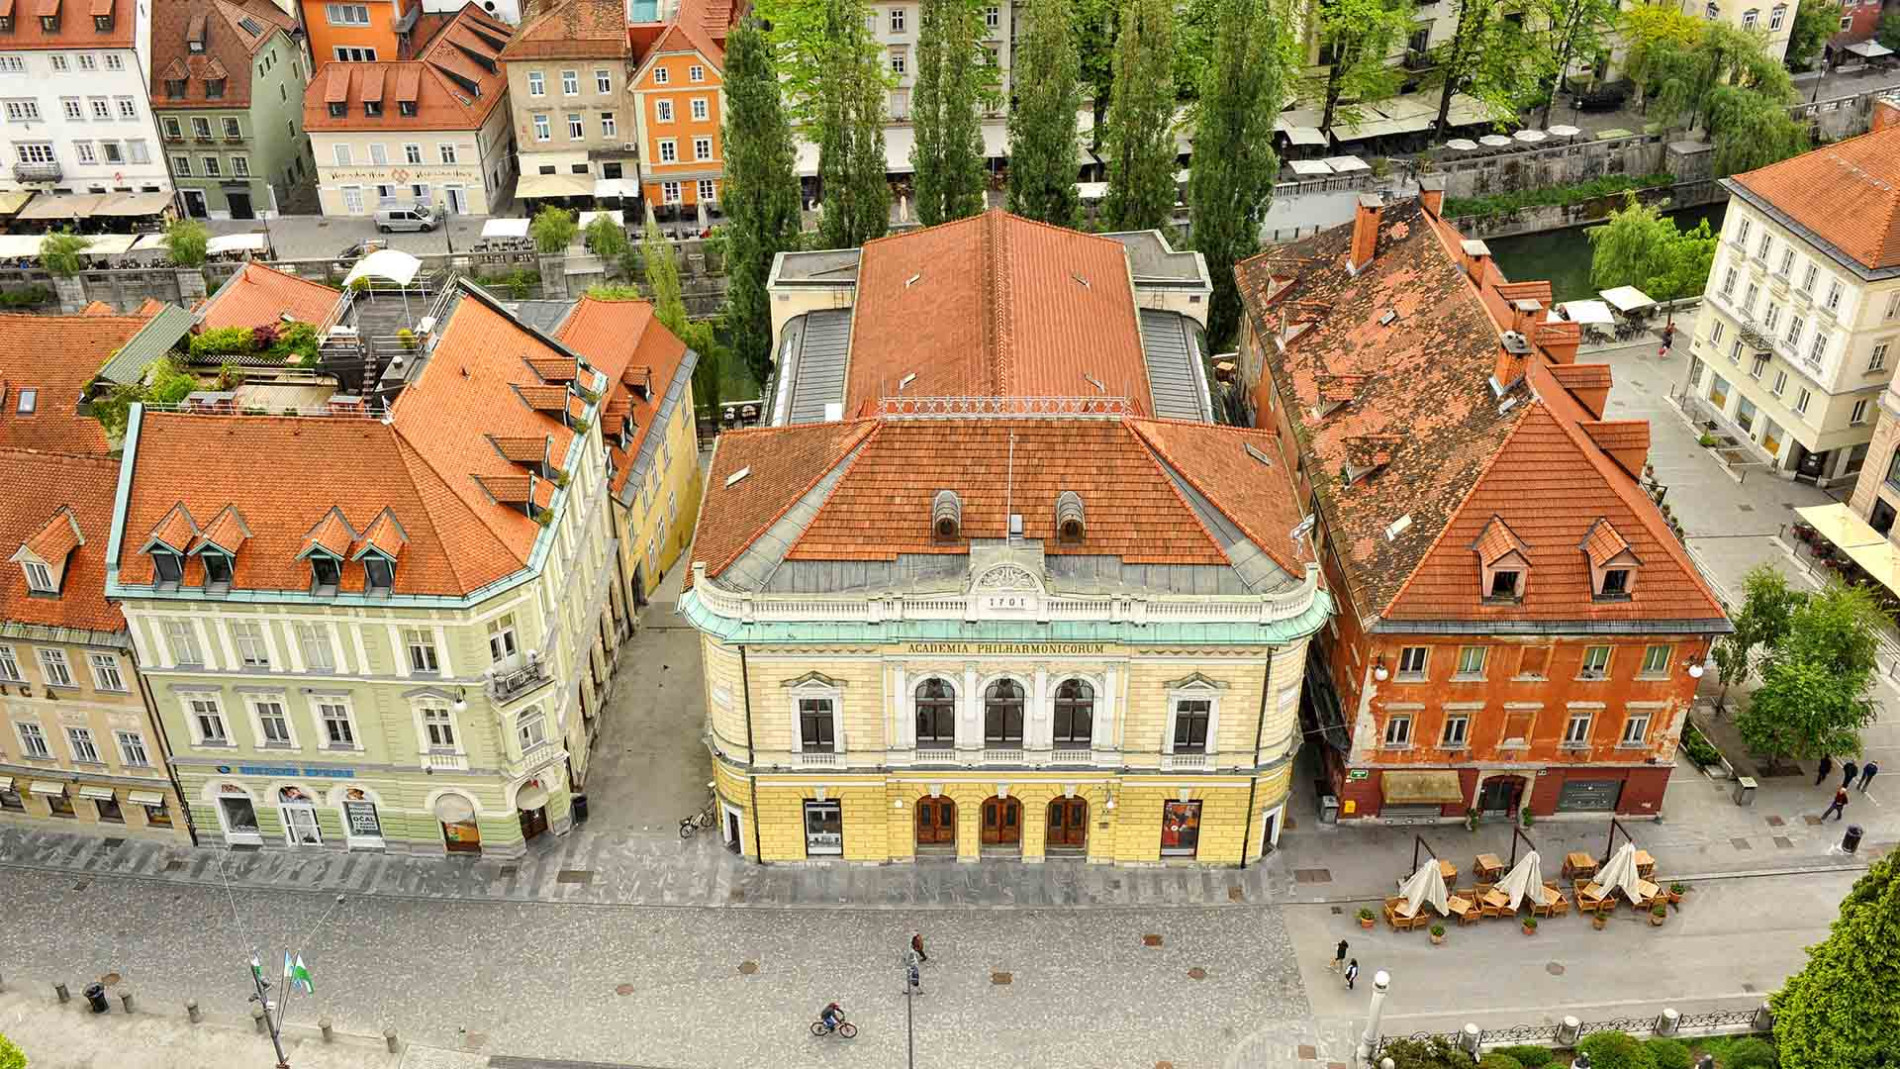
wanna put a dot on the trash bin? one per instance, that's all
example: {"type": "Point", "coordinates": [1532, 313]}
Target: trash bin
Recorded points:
{"type": "Point", "coordinates": [1744, 790]}
{"type": "Point", "coordinates": [96, 997]}
{"type": "Point", "coordinates": [1328, 809]}
{"type": "Point", "coordinates": [1851, 841]}
{"type": "Point", "coordinates": [580, 808]}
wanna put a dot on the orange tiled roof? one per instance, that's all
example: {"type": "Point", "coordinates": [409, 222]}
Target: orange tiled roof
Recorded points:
{"type": "Point", "coordinates": [384, 536]}
{"type": "Point", "coordinates": [74, 492]}
{"type": "Point", "coordinates": [687, 33]}
{"type": "Point", "coordinates": [554, 368]}
{"type": "Point", "coordinates": [578, 29]}
{"type": "Point", "coordinates": [1847, 193]}
{"type": "Point", "coordinates": [1498, 541]}
{"type": "Point", "coordinates": [624, 341]}
{"type": "Point", "coordinates": [456, 81]}
{"type": "Point", "coordinates": [332, 534]}
{"type": "Point", "coordinates": [226, 531]}
{"type": "Point", "coordinates": [98, 308]}
{"type": "Point", "coordinates": [1603, 543]}
{"type": "Point", "coordinates": [259, 295]}
{"type": "Point", "coordinates": [781, 463]}
{"type": "Point", "coordinates": [57, 357]}
{"type": "Point", "coordinates": [995, 305]}
{"type": "Point", "coordinates": [76, 28]}
{"type": "Point", "coordinates": [523, 450]}
{"type": "Point", "coordinates": [230, 43]}
{"type": "Point", "coordinates": [1582, 376]}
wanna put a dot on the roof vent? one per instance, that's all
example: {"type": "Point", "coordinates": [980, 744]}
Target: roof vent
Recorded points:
{"type": "Point", "coordinates": [1516, 344]}
{"type": "Point", "coordinates": [946, 515]}
{"type": "Point", "coordinates": [906, 381]}
{"type": "Point", "coordinates": [913, 280]}
{"type": "Point", "coordinates": [1080, 279]}
{"type": "Point", "coordinates": [738, 476]}
{"type": "Point", "coordinates": [1095, 382]}
{"type": "Point", "coordinates": [1257, 454]}
{"type": "Point", "coordinates": [1069, 525]}
{"type": "Point", "coordinates": [1398, 527]}
{"type": "Point", "coordinates": [1391, 316]}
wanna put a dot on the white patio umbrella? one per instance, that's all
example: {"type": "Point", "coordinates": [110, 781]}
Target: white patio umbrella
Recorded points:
{"type": "Point", "coordinates": [1620, 873]}
{"type": "Point", "coordinates": [1526, 878]}
{"type": "Point", "coordinates": [1427, 885]}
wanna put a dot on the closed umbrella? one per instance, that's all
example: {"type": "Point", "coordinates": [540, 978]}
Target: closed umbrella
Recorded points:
{"type": "Point", "coordinates": [1427, 885]}
{"type": "Point", "coordinates": [1526, 878]}
{"type": "Point", "coordinates": [1620, 873]}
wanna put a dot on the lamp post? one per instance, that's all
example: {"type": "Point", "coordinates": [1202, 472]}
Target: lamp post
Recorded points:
{"type": "Point", "coordinates": [1381, 982]}
{"type": "Point", "coordinates": [275, 1021]}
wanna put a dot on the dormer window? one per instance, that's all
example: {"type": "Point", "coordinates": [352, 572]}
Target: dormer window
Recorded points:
{"type": "Point", "coordinates": [1070, 528]}
{"type": "Point", "coordinates": [406, 108]}
{"type": "Point", "coordinates": [338, 109]}
{"type": "Point", "coordinates": [1503, 562]}
{"type": "Point", "coordinates": [169, 566]}
{"type": "Point", "coordinates": [6, 23]}
{"type": "Point", "coordinates": [217, 571]}
{"type": "Point", "coordinates": [372, 107]}
{"type": "Point", "coordinates": [326, 573]}
{"type": "Point", "coordinates": [39, 578]}
{"type": "Point", "coordinates": [174, 88]}
{"type": "Point", "coordinates": [1612, 563]}
{"type": "Point", "coordinates": [102, 23]}
{"type": "Point", "coordinates": [49, 23]}
{"type": "Point", "coordinates": [946, 516]}
{"type": "Point", "coordinates": [214, 89]}
{"type": "Point", "coordinates": [382, 574]}
{"type": "Point", "coordinates": [1504, 583]}
{"type": "Point", "coordinates": [1616, 582]}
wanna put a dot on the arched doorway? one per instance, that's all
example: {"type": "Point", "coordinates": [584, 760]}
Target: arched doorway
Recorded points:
{"type": "Point", "coordinates": [936, 825]}
{"type": "Point", "coordinates": [531, 807]}
{"type": "Point", "coordinates": [1068, 825]}
{"type": "Point", "coordinates": [460, 833]}
{"type": "Point", "coordinates": [1002, 822]}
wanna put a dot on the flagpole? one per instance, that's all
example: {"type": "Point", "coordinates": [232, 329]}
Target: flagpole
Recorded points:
{"type": "Point", "coordinates": [263, 1001]}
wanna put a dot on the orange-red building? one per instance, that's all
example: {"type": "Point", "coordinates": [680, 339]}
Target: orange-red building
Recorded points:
{"type": "Point", "coordinates": [1517, 624]}
{"type": "Point", "coordinates": [679, 104]}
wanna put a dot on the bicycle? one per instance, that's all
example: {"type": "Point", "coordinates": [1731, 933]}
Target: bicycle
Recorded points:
{"type": "Point", "coordinates": [689, 826]}
{"type": "Point", "coordinates": [845, 1029]}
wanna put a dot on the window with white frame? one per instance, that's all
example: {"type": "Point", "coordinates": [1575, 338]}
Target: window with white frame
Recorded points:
{"type": "Point", "coordinates": [1780, 383]}
{"type": "Point", "coordinates": [1577, 729]}
{"type": "Point", "coordinates": [702, 148]}
{"type": "Point", "coordinates": [670, 192]}
{"type": "Point", "coordinates": [662, 111]}
{"type": "Point", "coordinates": [10, 665]}
{"type": "Point", "coordinates": [207, 720]}
{"type": "Point", "coordinates": [1787, 262]}
{"type": "Point", "coordinates": [609, 126]}
{"type": "Point", "coordinates": [1818, 348]}
{"type": "Point", "coordinates": [346, 14]}
{"type": "Point", "coordinates": [661, 76]}
{"type": "Point", "coordinates": [76, 111]}
{"type": "Point", "coordinates": [86, 152]}
{"type": "Point", "coordinates": [531, 728]}
{"type": "Point", "coordinates": [936, 713]}
{"type": "Point", "coordinates": [1859, 415]}
{"type": "Point", "coordinates": [992, 17]}
{"type": "Point", "coordinates": [576, 126]}
{"type": "Point", "coordinates": [1812, 272]}
{"type": "Point", "coordinates": [412, 153]}
{"type": "Point", "coordinates": [422, 654]}
{"type": "Point", "coordinates": [1749, 18]}
{"type": "Point", "coordinates": [570, 83]}
{"type": "Point", "coordinates": [105, 672]}
{"type": "Point", "coordinates": [1635, 728]}
{"type": "Point", "coordinates": [438, 727]}
{"type": "Point", "coordinates": [23, 110]}
{"type": "Point", "coordinates": [340, 151]}
{"type": "Point", "coordinates": [252, 650]}
{"type": "Point", "coordinates": [132, 751]}
{"type": "Point", "coordinates": [897, 20]}
{"type": "Point", "coordinates": [313, 641]}
{"type": "Point", "coordinates": [1656, 661]}
{"type": "Point", "coordinates": [1878, 360]}
{"type": "Point", "coordinates": [1398, 731]}
{"type": "Point", "coordinates": [1833, 301]}
{"type": "Point", "coordinates": [55, 669]}
{"type": "Point", "coordinates": [669, 150]}
{"type": "Point", "coordinates": [85, 750]}
{"type": "Point", "coordinates": [447, 149]}
{"type": "Point", "coordinates": [502, 642]}
{"type": "Point", "coordinates": [38, 576]}
{"type": "Point", "coordinates": [181, 641]}
{"type": "Point", "coordinates": [1795, 325]}
{"type": "Point", "coordinates": [537, 84]}
{"type": "Point", "coordinates": [695, 73]}
{"type": "Point", "coordinates": [603, 80]}
{"type": "Point", "coordinates": [1457, 731]}
{"type": "Point", "coordinates": [543, 129]}
{"type": "Point", "coordinates": [32, 740]}
{"type": "Point", "coordinates": [707, 191]}
{"type": "Point", "coordinates": [1777, 17]}
{"type": "Point", "coordinates": [339, 727]}
{"type": "Point", "coordinates": [272, 723]}
{"type": "Point", "coordinates": [1802, 400]}
{"type": "Point", "coordinates": [700, 109]}
{"type": "Point", "coordinates": [1471, 661]}
{"type": "Point", "coordinates": [1412, 660]}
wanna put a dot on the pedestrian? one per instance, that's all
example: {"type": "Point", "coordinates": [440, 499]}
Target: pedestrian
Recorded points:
{"type": "Point", "coordinates": [916, 985]}
{"type": "Point", "coordinates": [1352, 972]}
{"type": "Point", "coordinates": [1867, 772]}
{"type": "Point", "coordinates": [1668, 339]}
{"type": "Point", "coordinates": [1839, 809]}
{"type": "Point", "coordinates": [1848, 771]}
{"type": "Point", "coordinates": [917, 944]}
{"type": "Point", "coordinates": [1339, 956]}
{"type": "Point", "coordinates": [1827, 765]}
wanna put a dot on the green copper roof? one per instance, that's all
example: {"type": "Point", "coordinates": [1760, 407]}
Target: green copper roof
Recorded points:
{"type": "Point", "coordinates": [807, 633]}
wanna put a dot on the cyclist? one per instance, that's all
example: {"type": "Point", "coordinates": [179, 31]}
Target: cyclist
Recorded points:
{"type": "Point", "coordinates": [832, 1015]}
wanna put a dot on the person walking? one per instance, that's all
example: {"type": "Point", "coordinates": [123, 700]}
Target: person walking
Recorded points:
{"type": "Point", "coordinates": [1352, 972]}
{"type": "Point", "coordinates": [1339, 956]}
{"type": "Point", "coordinates": [1668, 340]}
{"type": "Point", "coordinates": [917, 945]}
{"type": "Point", "coordinates": [1848, 771]}
{"type": "Point", "coordinates": [1839, 809]}
{"type": "Point", "coordinates": [1827, 765]}
{"type": "Point", "coordinates": [1867, 773]}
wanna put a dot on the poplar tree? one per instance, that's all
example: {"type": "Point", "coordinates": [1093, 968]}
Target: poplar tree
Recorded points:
{"type": "Point", "coordinates": [1042, 137]}
{"type": "Point", "coordinates": [833, 75]}
{"type": "Point", "coordinates": [1235, 166]}
{"type": "Point", "coordinates": [761, 192]}
{"type": "Point", "coordinates": [1139, 144]}
{"type": "Point", "coordinates": [952, 82]}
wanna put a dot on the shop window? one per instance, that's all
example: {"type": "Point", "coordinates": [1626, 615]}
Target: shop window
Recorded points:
{"type": "Point", "coordinates": [1180, 829]}
{"type": "Point", "coordinates": [824, 829]}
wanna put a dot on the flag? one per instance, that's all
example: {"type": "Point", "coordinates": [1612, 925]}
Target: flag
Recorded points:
{"type": "Point", "coordinates": [300, 976]}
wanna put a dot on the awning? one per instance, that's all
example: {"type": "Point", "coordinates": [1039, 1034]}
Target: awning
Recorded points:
{"type": "Point", "coordinates": [454, 809]}
{"type": "Point", "coordinates": [505, 228]}
{"type": "Point", "coordinates": [41, 786]}
{"type": "Point", "coordinates": [110, 244]}
{"type": "Point", "coordinates": [1586, 312]}
{"type": "Point", "coordinates": [1308, 168]}
{"type": "Point", "coordinates": [1298, 134]}
{"type": "Point", "coordinates": [20, 244]}
{"type": "Point", "coordinates": [101, 793]}
{"type": "Point", "coordinates": [133, 204]}
{"type": "Point", "coordinates": [605, 188]}
{"type": "Point", "coordinates": [555, 185]}
{"type": "Point", "coordinates": [1347, 164]}
{"type": "Point", "coordinates": [393, 264]}
{"type": "Point", "coordinates": [14, 201]}
{"type": "Point", "coordinates": [1850, 534]}
{"type": "Point", "coordinates": [1870, 49]}
{"type": "Point", "coordinates": [1420, 786]}
{"type": "Point", "coordinates": [533, 796]}
{"type": "Point", "coordinates": [150, 242]}
{"type": "Point", "coordinates": [145, 798]}
{"type": "Point", "coordinates": [588, 217]}
{"type": "Point", "coordinates": [1626, 298]}
{"type": "Point", "coordinates": [68, 206]}
{"type": "Point", "coordinates": [237, 243]}
{"type": "Point", "coordinates": [6, 783]}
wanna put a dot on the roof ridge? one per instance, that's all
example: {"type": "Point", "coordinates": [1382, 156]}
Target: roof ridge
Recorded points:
{"type": "Point", "coordinates": [1159, 452]}
{"type": "Point", "coordinates": [996, 302]}
{"type": "Point", "coordinates": [851, 442]}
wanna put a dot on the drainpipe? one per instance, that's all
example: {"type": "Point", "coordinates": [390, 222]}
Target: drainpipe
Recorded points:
{"type": "Point", "coordinates": [751, 778]}
{"type": "Point", "coordinates": [1253, 782]}
{"type": "Point", "coordinates": [158, 724]}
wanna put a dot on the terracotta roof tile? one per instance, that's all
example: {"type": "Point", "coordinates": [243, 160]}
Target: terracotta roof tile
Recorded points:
{"type": "Point", "coordinates": [1498, 541]}
{"type": "Point", "coordinates": [1626, 440]}
{"type": "Point", "coordinates": [259, 295]}
{"type": "Point", "coordinates": [332, 534]}
{"type": "Point", "coordinates": [52, 542]}
{"type": "Point", "coordinates": [1847, 193]}
{"type": "Point", "coordinates": [75, 30]}
{"type": "Point", "coordinates": [1225, 465]}
{"type": "Point", "coordinates": [554, 369]}
{"type": "Point", "coordinates": [98, 308]}
{"type": "Point", "coordinates": [523, 450]}
{"type": "Point", "coordinates": [175, 530]}
{"type": "Point", "coordinates": [57, 357]}
{"type": "Point", "coordinates": [1603, 544]}
{"type": "Point", "coordinates": [226, 531]}
{"type": "Point", "coordinates": [780, 463]}
{"type": "Point", "coordinates": [624, 341]}
{"type": "Point", "coordinates": [1582, 376]}
{"type": "Point", "coordinates": [385, 536]}
{"type": "Point", "coordinates": [449, 80]}
{"type": "Point", "coordinates": [544, 398]}
{"type": "Point", "coordinates": [229, 46]}
{"type": "Point", "coordinates": [70, 490]}
{"type": "Point", "coordinates": [579, 29]}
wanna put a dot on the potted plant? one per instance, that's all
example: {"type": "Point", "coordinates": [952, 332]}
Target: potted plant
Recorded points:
{"type": "Point", "coordinates": [1438, 934]}
{"type": "Point", "coordinates": [1676, 891]}
{"type": "Point", "coordinates": [1657, 914]}
{"type": "Point", "coordinates": [1599, 920]}
{"type": "Point", "coordinates": [1365, 919]}
{"type": "Point", "coordinates": [1526, 815]}
{"type": "Point", "coordinates": [1530, 925]}
{"type": "Point", "coordinates": [1471, 819]}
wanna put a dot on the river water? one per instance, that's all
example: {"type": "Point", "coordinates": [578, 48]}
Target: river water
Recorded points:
{"type": "Point", "coordinates": [1563, 256]}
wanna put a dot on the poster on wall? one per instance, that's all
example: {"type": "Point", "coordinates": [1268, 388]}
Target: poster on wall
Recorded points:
{"type": "Point", "coordinates": [361, 814]}
{"type": "Point", "coordinates": [1180, 827]}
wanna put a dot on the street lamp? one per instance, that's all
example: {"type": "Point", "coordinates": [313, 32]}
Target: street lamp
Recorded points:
{"type": "Point", "coordinates": [1381, 983]}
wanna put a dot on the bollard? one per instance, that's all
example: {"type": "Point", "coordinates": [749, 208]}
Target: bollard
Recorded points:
{"type": "Point", "coordinates": [324, 1024]}
{"type": "Point", "coordinates": [1764, 1018]}
{"type": "Point", "coordinates": [1568, 1031]}
{"type": "Point", "coordinates": [257, 1018]}
{"type": "Point", "coordinates": [1471, 1040]}
{"type": "Point", "coordinates": [125, 999]}
{"type": "Point", "coordinates": [191, 1010]}
{"type": "Point", "coordinates": [3, 983]}
{"type": "Point", "coordinates": [389, 1037]}
{"type": "Point", "coordinates": [64, 995]}
{"type": "Point", "coordinates": [1668, 1023]}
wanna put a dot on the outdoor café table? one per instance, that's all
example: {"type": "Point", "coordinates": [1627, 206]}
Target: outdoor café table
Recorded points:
{"type": "Point", "coordinates": [1458, 907]}
{"type": "Point", "coordinates": [1487, 868]}
{"type": "Point", "coordinates": [1579, 864]}
{"type": "Point", "coordinates": [1645, 865]}
{"type": "Point", "coordinates": [1646, 892]}
{"type": "Point", "coordinates": [1497, 899]}
{"type": "Point", "coordinates": [1449, 870]}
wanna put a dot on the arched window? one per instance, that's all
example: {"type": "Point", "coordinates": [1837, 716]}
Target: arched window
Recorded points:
{"type": "Point", "coordinates": [1003, 713]}
{"type": "Point", "coordinates": [1075, 713]}
{"type": "Point", "coordinates": [936, 713]}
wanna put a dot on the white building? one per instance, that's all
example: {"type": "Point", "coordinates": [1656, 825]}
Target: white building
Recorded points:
{"type": "Point", "coordinates": [73, 83]}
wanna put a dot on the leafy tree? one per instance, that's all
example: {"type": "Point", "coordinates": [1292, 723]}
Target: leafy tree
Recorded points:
{"type": "Point", "coordinates": [834, 78]}
{"type": "Point", "coordinates": [1889, 32]}
{"type": "Point", "coordinates": [1626, 250]}
{"type": "Point", "coordinates": [1768, 603]}
{"type": "Point", "coordinates": [1139, 144]}
{"type": "Point", "coordinates": [1095, 24]}
{"type": "Point", "coordinates": [60, 253]}
{"type": "Point", "coordinates": [1616, 1050]}
{"type": "Point", "coordinates": [762, 196]}
{"type": "Point", "coordinates": [669, 307]}
{"type": "Point", "coordinates": [1812, 700]}
{"type": "Point", "coordinates": [1489, 58]}
{"type": "Point", "coordinates": [1682, 263]}
{"type": "Point", "coordinates": [1814, 22]}
{"type": "Point", "coordinates": [1752, 130]}
{"type": "Point", "coordinates": [1685, 78]}
{"type": "Point", "coordinates": [953, 81]}
{"type": "Point", "coordinates": [185, 241]}
{"type": "Point", "coordinates": [607, 239]}
{"type": "Point", "coordinates": [1042, 136]}
{"type": "Point", "coordinates": [1356, 38]}
{"type": "Point", "coordinates": [1575, 28]}
{"type": "Point", "coordinates": [11, 1057]}
{"type": "Point", "coordinates": [1650, 31]}
{"type": "Point", "coordinates": [1193, 45]}
{"type": "Point", "coordinates": [553, 230]}
{"type": "Point", "coordinates": [1234, 162]}
{"type": "Point", "coordinates": [1842, 1011]}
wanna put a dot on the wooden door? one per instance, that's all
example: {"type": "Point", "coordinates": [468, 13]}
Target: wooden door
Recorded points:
{"type": "Point", "coordinates": [533, 822]}
{"type": "Point", "coordinates": [1068, 823]}
{"type": "Point", "coordinates": [936, 822]}
{"type": "Point", "coordinates": [1002, 822]}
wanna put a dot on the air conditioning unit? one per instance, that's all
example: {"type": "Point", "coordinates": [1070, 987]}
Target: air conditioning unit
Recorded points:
{"type": "Point", "coordinates": [630, 146]}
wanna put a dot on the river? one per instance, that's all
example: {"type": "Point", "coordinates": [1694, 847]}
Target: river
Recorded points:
{"type": "Point", "coordinates": [1563, 256]}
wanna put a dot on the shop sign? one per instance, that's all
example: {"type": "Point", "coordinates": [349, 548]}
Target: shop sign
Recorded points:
{"type": "Point", "coordinates": [270, 770]}
{"type": "Point", "coordinates": [363, 821]}
{"type": "Point", "coordinates": [983, 649]}
{"type": "Point", "coordinates": [1359, 774]}
{"type": "Point", "coordinates": [291, 770]}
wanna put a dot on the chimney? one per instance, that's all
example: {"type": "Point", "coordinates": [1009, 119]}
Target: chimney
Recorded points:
{"type": "Point", "coordinates": [1365, 232]}
{"type": "Point", "coordinates": [1514, 353]}
{"type": "Point", "coordinates": [1477, 254]}
{"type": "Point", "coordinates": [1526, 313]}
{"type": "Point", "coordinates": [1431, 195]}
{"type": "Point", "coordinates": [1886, 113]}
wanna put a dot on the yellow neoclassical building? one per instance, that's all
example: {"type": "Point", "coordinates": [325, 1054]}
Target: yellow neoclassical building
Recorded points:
{"type": "Point", "coordinates": [982, 617]}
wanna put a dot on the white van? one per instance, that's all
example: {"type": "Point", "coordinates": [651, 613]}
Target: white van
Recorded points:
{"type": "Point", "coordinates": [414, 217]}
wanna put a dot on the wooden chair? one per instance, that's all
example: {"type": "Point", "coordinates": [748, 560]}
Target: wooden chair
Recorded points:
{"type": "Point", "coordinates": [1472, 914]}
{"type": "Point", "coordinates": [1490, 910]}
{"type": "Point", "coordinates": [1421, 919]}
{"type": "Point", "coordinates": [1484, 887]}
{"type": "Point", "coordinates": [1559, 905]}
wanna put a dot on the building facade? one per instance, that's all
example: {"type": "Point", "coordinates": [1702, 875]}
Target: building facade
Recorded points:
{"type": "Point", "coordinates": [1519, 630]}
{"type": "Point", "coordinates": [433, 131]}
{"type": "Point", "coordinates": [568, 76]}
{"type": "Point", "coordinates": [404, 660]}
{"type": "Point", "coordinates": [74, 82]}
{"type": "Point", "coordinates": [1792, 348]}
{"type": "Point", "coordinates": [367, 32]}
{"type": "Point", "coordinates": [1772, 19]}
{"type": "Point", "coordinates": [679, 105]}
{"type": "Point", "coordinates": [227, 87]}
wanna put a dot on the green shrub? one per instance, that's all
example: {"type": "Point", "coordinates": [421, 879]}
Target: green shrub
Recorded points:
{"type": "Point", "coordinates": [1616, 1050]}
{"type": "Point", "coordinates": [1699, 749]}
{"type": "Point", "coordinates": [1499, 1060]}
{"type": "Point", "coordinates": [29, 297]}
{"type": "Point", "coordinates": [521, 282]}
{"type": "Point", "coordinates": [1669, 1053]}
{"type": "Point", "coordinates": [553, 229]}
{"type": "Point", "coordinates": [1528, 1057]}
{"type": "Point", "coordinates": [1742, 1052]}
{"type": "Point", "coordinates": [607, 239]}
{"type": "Point", "coordinates": [222, 341]}
{"type": "Point", "coordinates": [185, 242]}
{"type": "Point", "coordinates": [1564, 196]}
{"type": "Point", "coordinates": [11, 1057]}
{"type": "Point", "coordinates": [1432, 1053]}
{"type": "Point", "coordinates": [296, 341]}
{"type": "Point", "coordinates": [60, 253]}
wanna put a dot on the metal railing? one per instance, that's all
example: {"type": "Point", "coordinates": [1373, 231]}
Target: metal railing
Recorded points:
{"type": "Point", "coordinates": [1757, 1020]}
{"type": "Point", "coordinates": [37, 172]}
{"type": "Point", "coordinates": [507, 686]}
